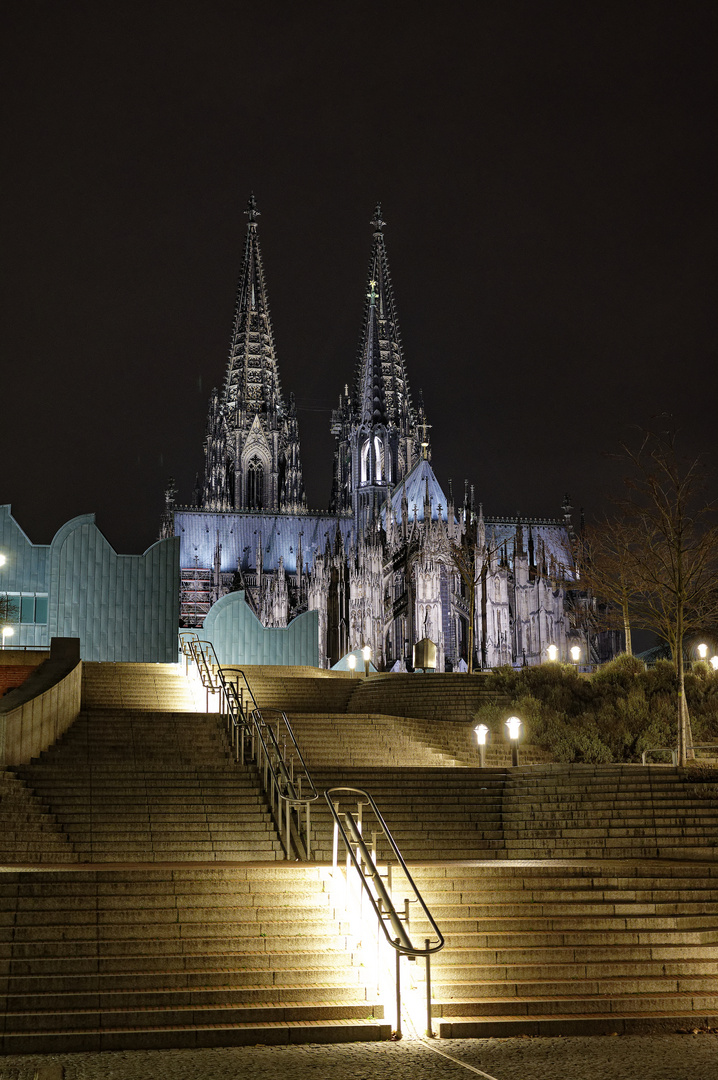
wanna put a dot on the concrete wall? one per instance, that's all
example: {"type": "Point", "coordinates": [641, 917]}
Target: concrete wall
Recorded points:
{"type": "Point", "coordinates": [36, 714]}
{"type": "Point", "coordinates": [239, 637]}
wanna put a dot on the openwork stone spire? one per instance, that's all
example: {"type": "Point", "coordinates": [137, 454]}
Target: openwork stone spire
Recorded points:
{"type": "Point", "coordinates": [375, 426]}
{"type": "Point", "coordinates": [252, 459]}
{"type": "Point", "coordinates": [380, 364]}
{"type": "Point", "coordinates": [252, 381]}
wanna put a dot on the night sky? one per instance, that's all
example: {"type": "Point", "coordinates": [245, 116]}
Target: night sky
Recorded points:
{"type": "Point", "coordinates": [547, 172]}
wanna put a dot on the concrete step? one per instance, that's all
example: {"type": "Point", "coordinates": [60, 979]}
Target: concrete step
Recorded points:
{"type": "Point", "coordinates": [138, 956]}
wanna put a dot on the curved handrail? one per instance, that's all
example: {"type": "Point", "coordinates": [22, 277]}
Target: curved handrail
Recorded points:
{"type": "Point", "coordinates": [406, 947]}
{"type": "Point", "coordinates": [402, 943]}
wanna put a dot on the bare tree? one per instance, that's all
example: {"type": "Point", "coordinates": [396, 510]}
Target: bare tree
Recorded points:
{"type": "Point", "coordinates": [8, 609]}
{"type": "Point", "coordinates": [658, 556]}
{"type": "Point", "coordinates": [603, 561]}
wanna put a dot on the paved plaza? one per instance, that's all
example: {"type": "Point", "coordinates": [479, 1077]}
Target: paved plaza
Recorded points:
{"type": "Point", "coordinates": [630, 1057]}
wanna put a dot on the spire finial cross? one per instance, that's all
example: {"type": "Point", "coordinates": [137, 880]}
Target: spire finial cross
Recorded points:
{"type": "Point", "coordinates": [424, 437]}
{"type": "Point", "coordinates": [376, 221]}
{"type": "Point", "coordinates": [252, 212]}
{"type": "Point", "coordinates": [372, 295]}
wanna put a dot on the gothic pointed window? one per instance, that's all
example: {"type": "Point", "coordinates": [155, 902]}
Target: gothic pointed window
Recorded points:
{"type": "Point", "coordinates": [365, 465]}
{"type": "Point", "coordinates": [255, 484]}
{"type": "Point", "coordinates": [378, 459]}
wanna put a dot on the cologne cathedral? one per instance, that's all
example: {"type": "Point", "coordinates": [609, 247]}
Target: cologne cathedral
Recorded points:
{"type": "Point", "coordinates": [395, 560]}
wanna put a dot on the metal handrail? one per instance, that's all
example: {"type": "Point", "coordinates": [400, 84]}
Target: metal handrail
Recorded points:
{"type": "Point", "coordinates": [383, 904]}
{"type": "Point", "coordinates": [661, 750]}
{"type": "Point", "coordinates": [674, 753]}
{"type": "Point", "coordinates": [273, 752]}
{"type": "Point", "coordinates": [285, 786]}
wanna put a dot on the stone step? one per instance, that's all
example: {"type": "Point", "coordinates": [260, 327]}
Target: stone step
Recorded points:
{"type": "Point", "coordinates": [620, 1022]}
{"type": "Point", "coordinates": [198, 980]}
{"type": "Point", "coordinates": [280, 1008]}
{"type": "Point", "coordinates": [288, 1031]}
{"type": "Point", "coordinates": [59, 1008]}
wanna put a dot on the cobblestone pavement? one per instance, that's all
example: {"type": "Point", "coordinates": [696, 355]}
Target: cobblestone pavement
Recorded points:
{"type": "Point", "coordinates": [629, 1057]}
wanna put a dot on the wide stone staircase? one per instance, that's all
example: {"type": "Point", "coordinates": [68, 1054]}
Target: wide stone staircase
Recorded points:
{"type": "Point", "coordinates": [572, 948]}
{"type": "Point", "coordinates": [29, 833]}
{"type": "Point", "coordinates": [572, 898]}
{"type": "Point", "coordinates": [430, 815]}
{"type": "Point", "coordinates": [135, 786]}
{"type": "Point", "coordinates": [129, 957]}
{"type": "Point", "coordinates": [430, 697]}
{"type": "Point", "coordinates": [433, 711]}
{"type": "Point", "coordinates": [625, 811]}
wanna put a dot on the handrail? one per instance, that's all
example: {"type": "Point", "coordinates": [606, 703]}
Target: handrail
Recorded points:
{"type": "Point", "coordinates": [674, 753]}
{"type": "Point", "coordinates": [661, 750]}
{"type": "Point", "coordinates": [273, 753]}
{"type": "Point", "coordinates": [383, 904]}
{"type": "Point", "coordinates": [285, 786]}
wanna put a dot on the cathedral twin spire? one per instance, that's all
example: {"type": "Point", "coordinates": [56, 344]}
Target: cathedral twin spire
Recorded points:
{"type": "Point", "coordinates": [252, 459]}
{"type": "Point", "coordinates": [382, 388]}
{"type": "Point", "coordinates": [375, 427]}
{"type": "Point", "coordinates": [252, 442]}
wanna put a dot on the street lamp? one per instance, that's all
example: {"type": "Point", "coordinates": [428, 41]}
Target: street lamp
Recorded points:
{"type": "Point", "coordinates": [514, 727]}
{"type": "Point", "coordinates": [7, 631]}
{"type": "Point", "coordinates": [714, 663]}
{"type": "Point", "coordinates": [3, 560]}
{"type": "Point", "coordinates": [481, 732]}
{"type": "Point", "coordinates": [702, 651]}
{"type": "Point", "coordinates": [366, 653]}
{"type": "Point", "coordinates": [352, 662]}
{"type": "Point", "coordinates": [575, 655]}
{"type": "Point", "coordinates": [552, 652]}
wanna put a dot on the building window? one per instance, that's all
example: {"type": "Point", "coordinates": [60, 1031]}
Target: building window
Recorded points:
{"type": "Point", "coordinates": [378, 459]}
{"type": "Point", "coordinates": [255, 484]}
{"type": "Point", "coordinates": [365, 462]}
{"type": "Point", "coordinates": [28, 608]}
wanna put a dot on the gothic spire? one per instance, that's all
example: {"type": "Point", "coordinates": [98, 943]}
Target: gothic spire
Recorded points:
{"type": "Point", "coordinates": [252, 444]}
{"type": "Point", "coordinates": [252, 383]}
{"type": "Point", "coordinates": [381, 379]}
{"type": "Point", "coordinates": [372, 405]}
{"type": "Point", "coordinates": [377, 440]}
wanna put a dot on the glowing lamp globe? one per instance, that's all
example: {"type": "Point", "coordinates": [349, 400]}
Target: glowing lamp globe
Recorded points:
{"type": "Point", "coordinates": [481, 732]}
{"type": "Point", "coordinates": [514, 727]}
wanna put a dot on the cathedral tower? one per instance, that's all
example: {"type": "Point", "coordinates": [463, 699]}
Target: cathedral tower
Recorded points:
{"type": "Point", "coordinates": [252, 457]}
{"type": "Point", "coordinates": [377, 440]}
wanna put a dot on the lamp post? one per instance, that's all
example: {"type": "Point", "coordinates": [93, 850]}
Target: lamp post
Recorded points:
{"type": "Point", "coordinates": [481, 732]}
{"type": "Point", "coordinates": [352, 662]}
{"type": "Point", "coordinates": [7, 631]}
{"type": "Point", "coordinates": [366, 653]}
{"type": "Point", "coordinates": [576, 655]}
{"type": "Point", "coordinates": [552, 652]}
{"type": "Point", "coordinates": [513, 725]}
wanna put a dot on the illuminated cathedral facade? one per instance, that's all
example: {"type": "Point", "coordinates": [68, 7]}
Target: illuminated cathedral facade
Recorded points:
{"type": "Point", "coordinates": [383, 566]}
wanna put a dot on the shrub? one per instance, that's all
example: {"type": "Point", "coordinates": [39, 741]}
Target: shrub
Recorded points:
{"type": "Point", "coordinates": [612, 716]}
